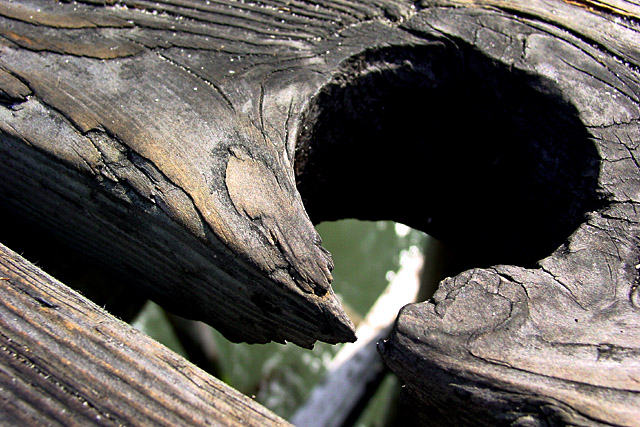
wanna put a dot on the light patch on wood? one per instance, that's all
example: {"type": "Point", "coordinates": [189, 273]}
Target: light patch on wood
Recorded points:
{"type": "Point", "coordinates": [256, 193]}
{"type": "Point", "coordinates": [253, 188]}
{"type": "Point", "coordinates": [60, 17]}
{"type": "Point", "coordinates": [92, 46]}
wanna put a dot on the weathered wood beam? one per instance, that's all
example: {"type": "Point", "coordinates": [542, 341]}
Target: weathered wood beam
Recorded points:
{"type": "Point", "coordinates": [65, 361]}
{"type": "Point", "coordinates": [159, 139]}
{"type": "Point", "coordinates": [172, 131]}
{"type": "Point", "coordinates": [556, 343]}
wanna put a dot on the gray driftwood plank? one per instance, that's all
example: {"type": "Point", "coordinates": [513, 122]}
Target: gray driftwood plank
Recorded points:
{"type": "Point", "coordinates": [65, 361]}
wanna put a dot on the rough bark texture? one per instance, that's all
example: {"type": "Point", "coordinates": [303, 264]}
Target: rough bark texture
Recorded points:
{"type": "Point", "coordinates": [65, 361]}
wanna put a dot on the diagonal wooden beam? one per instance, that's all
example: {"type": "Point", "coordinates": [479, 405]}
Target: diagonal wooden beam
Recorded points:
{"type": "Point", "coordinates": [66, 361]}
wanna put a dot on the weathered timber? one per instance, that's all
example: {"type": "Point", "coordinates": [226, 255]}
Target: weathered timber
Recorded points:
{"type": "Point", "coordinates": [555, 338]}
{"type": "Point", "coordinates": [66, 361]}
{"type": "Point", "coordinates": [159, 139]}
{"type": "Point", "coordinates": [168, 139]}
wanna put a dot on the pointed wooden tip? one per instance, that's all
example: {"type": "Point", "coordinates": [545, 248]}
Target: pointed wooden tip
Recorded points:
{"type": "Point", "coordinates": [174, 189]}
{"type": "Point", "coordinates": [272, 231]}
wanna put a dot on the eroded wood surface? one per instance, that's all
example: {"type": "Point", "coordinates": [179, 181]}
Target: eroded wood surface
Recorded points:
{"type": "Point", "coordinates": [173, 127]}
{"type": "Point", "coordinates": [65, 361]}
{"type": "Point", "coordinates": [556, 343]}
{"type": "Point", "coordinates": [173, 130]}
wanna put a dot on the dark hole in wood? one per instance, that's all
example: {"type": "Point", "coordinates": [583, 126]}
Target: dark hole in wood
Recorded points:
{"type": "Point", "coordinates": [490, 160]}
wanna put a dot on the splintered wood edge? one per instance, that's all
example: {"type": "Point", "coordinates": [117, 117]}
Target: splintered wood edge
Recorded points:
{"type": "Point", "coordinates": [65, 360]}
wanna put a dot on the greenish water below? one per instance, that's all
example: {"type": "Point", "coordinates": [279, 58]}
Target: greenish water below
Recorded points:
{"type": "Point", "coordinates": [366, 256]}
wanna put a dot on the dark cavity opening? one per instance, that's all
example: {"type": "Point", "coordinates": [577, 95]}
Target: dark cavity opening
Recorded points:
{"type": "Point", "coordinates": [490, 160]}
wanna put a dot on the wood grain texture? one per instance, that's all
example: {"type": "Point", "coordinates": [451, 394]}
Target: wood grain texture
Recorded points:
{"type": "Point", "coordinates": [556, 343]}
{"type": "Point", "coordinates": [145, 106]}
{"type": "Point", "coordinates": [189, 141]}
{"type": "Point", "coordinates": [65, 361]}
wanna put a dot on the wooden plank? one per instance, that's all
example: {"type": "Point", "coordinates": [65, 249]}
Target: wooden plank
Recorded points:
{"type": "Point", "coordinates": [65, 361]}
{"type": "Point", "coordinates": [189, 141]}
{"type": "Point", "coordinates": [556, 342]}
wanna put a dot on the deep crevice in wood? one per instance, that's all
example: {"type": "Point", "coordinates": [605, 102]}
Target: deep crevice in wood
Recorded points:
{"type": "Point", "coordinates": [499, 167]}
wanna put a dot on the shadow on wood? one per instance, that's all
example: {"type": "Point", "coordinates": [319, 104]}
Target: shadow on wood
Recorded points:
{"type": "Point", "coordinates": [491, 160]}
